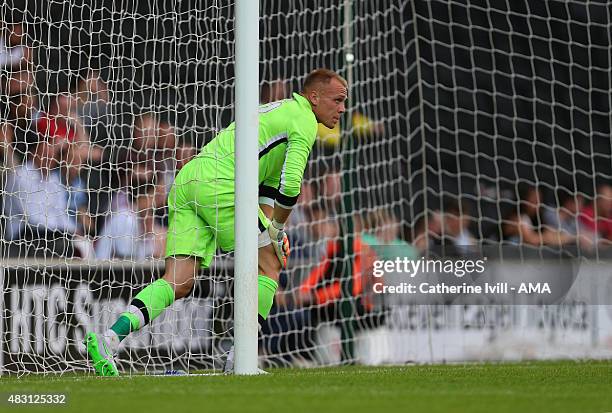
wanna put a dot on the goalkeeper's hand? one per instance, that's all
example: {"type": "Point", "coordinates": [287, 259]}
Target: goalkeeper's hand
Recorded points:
{"type": "Point", "coordinates": [280, 242]}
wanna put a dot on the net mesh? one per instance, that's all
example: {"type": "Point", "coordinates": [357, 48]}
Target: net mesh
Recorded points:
{"type": "Point", "coordinates": [469, 123]}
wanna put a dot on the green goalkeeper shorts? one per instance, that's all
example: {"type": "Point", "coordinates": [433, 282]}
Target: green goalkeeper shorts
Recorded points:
{"type": "Point", "coordinates": [201, 213]}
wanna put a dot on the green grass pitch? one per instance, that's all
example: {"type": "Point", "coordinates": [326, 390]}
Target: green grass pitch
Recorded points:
{"type": "Point", "coordinates": [515, 387]}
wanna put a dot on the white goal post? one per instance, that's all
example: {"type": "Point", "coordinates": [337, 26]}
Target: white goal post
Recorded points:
{"type": "Point", "coordinates": [247, 171]}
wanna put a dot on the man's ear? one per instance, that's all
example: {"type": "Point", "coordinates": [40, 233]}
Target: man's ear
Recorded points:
{"type": "Point", "coordinates": [314, 97]}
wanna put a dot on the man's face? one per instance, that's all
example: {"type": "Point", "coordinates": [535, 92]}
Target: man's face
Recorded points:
{"type": "Point", "coordinates": [453, 223]}
{"type": "Point", "coordinates": [21, 106]}
{"type": "Point", "coordinates": [278, 90]}
{"type": "Point", "coordinates": [16, 35]}
{"type": "Point", "coordinates": [47, 154]}
{"type": "Point", "coordinates": [146, 134]}
{"type": "Point", "coordinates": [533, 201]}
{"type": "Point", "coordinates": [574, 204]}
{"type": "Point", "coordinates": [183, 155]}
{"type": "Point", "coordinates": [145, 204]}
{"type": "Point", "coordinates": [328, 102]}
{"type": "Point", "coordinates": [604, 201]}
{"type": "Point", "coordinates": [64, 105]}
{"type": "Point", "coordinates": [332, 187]}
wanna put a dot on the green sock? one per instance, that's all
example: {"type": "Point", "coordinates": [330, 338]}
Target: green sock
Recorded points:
{"type": "Point", "coordinates": [144, 308]}
{"type": "Point", "coordinates": [156, 297]}
{"type": "Point", "coordinates": [133, 319]}
{"type": "Point", "coordinates": [123, 326]}
{"type": "Point", "coordinates": [266, 287]}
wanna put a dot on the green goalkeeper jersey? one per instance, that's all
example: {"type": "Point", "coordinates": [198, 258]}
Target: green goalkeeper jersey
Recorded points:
{"type": "Point", "coordinates": [287, 132]}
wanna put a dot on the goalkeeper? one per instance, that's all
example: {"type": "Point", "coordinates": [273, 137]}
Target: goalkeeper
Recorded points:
{"type": "Point", "coordinates": [201, 207]}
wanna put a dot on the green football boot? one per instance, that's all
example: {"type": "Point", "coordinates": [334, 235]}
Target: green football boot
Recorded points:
{"type": "Point", "coordinates": [100, 355]}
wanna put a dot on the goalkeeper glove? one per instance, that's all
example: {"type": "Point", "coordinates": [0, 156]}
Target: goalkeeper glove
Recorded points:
{"type": "Point", "coordinates": [280, 241]}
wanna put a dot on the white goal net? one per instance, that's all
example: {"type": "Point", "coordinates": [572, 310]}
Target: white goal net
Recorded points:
{"type": "Point", "coordinates": [469, 124]}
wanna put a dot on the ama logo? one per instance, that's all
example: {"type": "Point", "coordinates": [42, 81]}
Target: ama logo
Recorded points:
{"type": "Point", "coordinates": [534, 288]}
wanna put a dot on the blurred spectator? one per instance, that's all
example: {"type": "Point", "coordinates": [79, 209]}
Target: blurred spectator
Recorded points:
{"type": "Point", "coordinates": [7, 153]}
{"type": "Point", "coordinates": [322, 286]}
{"type": "Point", "coordinates": [137, 161]}
{"type": "Point", "coordinates": [435, 225]}
{"type": "Point", "coordinates": [170, 154]}
{"type": "Point", "coordinates": [71, 163]}
{"type": "Point", "coordinates": [147, 151]}
{"type": "Point", "coordinates": [456, 225]}
{"type": "Point", "coordinates": [597, 217]}
{"type": "Point", "coordinates": [185, 151]}
{"type": "Point", "coordinates": [14, 50]}
{"type": "Point", "coordinates": [321, 292]}
{"type": "Point", "coordinates": [328, 189]}
{"type": "Point", "coordinates": [93, 110]}
{"type": "Point", "coordinates": [74, 178]}
{"type": "Point", "coordinates": [60, 123]}
{"type": "Point", "coordinates": [16, 60]}
{"type": "Point", "coordinates": [23, 113]}
{"type": "Point", "coordinates": [8, 161]}
{"type": "Point", "coordinates": [94, 116]}
{"type": "Point", "coordinates": [323, 227]}
{"type": "Point", "coordinates": [565, 218]}
{"type": "Point", "coordinates": [381, 227]}
{"type": "Point", "coordinates": [523, 223]}
{"type": "Point", "coordinates": [275, 90]}
{"type": "Point", "coordinates": [381, 231]}
{"type": "Point", "coordinates": [146, 136]}
{"type": "Point", "coordinates": [299, 225]}
{"type": "Point", "coordinates": [36, 195]}
{"type": "Point", "coordinates": [36, 203]}
{"type": "Point", "coordinates": [130, 231]}
{"type": "Point", "coordinates": [426, 231]}
{"type": "Point", "coordinates": [167, 136]}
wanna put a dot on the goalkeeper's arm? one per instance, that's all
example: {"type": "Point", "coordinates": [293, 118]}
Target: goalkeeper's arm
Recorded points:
{"type": "Point", "coordinates": [267, 203]}
{"type": "Point", "coordinates": [278, 216]}
{"type": "Point", "coordinates": [287, 184]}
{"type": "Point", "coordinates": [278, 236]}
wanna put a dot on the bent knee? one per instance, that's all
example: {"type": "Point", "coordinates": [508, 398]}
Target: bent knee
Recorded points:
{"type": "Point", "coordinates": [268, 262]}
{"type": "Point", "coordinates": [183, 289]}
{"type": "Point", "coordinates": [270, 272]}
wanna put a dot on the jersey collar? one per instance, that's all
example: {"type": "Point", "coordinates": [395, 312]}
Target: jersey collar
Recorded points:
{"type": "Point", "coordinates": [302, 100]}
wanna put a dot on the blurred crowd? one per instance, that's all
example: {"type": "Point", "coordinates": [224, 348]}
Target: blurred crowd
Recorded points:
{"type": "Point", "coordinates": [72, 189]}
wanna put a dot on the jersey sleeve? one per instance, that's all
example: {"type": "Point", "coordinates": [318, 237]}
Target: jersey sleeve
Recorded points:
{"type": "Point", "coordinates": [301, 137]}
{"type": "Point", "coordinates": [268, 190]}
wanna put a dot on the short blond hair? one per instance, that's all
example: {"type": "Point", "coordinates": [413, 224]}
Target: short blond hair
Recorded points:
{"type": "Point", "coordinates": [319, 76]}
